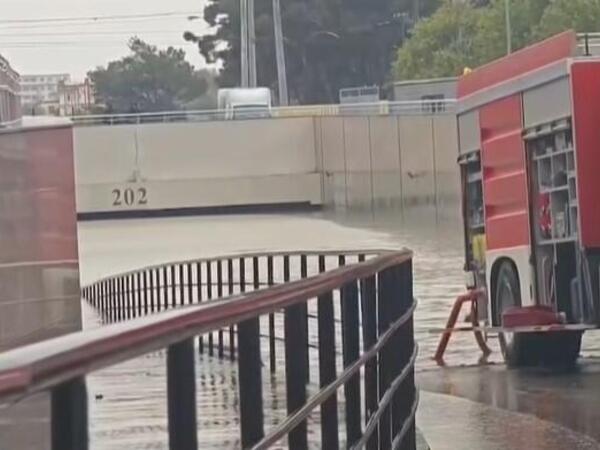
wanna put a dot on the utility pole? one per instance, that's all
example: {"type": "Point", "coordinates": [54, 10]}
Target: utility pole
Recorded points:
{"type": "Point", "coordinates": [248, 44]}
{"type": "Point", "coordinates": [508, 27]}
{"type": "Point", "coordinates": [244, 42]}
{"type": "Point", "coordinates": [280, 55]}
{"type": "Point", "coordinates": [416, 10]}
{"type": "Point", "coordinates": [252, 75]}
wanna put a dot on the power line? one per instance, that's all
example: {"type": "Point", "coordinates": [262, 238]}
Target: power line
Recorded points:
{"type": "Point", "coordinates": [90, 33]}
{"type": "Point", "coordinates": [79, 44]}
{"type": "Point", "coordinates": [100, 18]}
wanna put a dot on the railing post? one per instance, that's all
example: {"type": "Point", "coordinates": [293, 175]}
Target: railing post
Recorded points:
{"type": "Point", "coordinates": [231, 289]}
{"type": "Point", "coordinates": [351, 352]}
{"type": "Point", "coordinates": [121, 297]}
{"type": "Point", "coordinates": [209, 296]}
{"type": "Point", "coordinates": [101, 300]}
{"type": "Point", "coordinates": [304, 274]}
{"type": "Point", "coordinates": [69, 416]}
{"type": "Point", "coordinates": [173, 288]}
{"type": "Point", "coordinates": [190, 280]}
{"type": "Point", "coordinates": [272, 349]}
{"type": "Point", "coordinates": [129, 302]}
{"type": "Point", "coordinates": [368, 295]}
{"type": "Point", "coordinates": [182, 289]}
{"type": "Point", "coordinates": [153, 284]}
{"type": "Point", "coordinates": [145, 292]}
{"type": "Point", "coordinates": [327, 369]}
{"type": "Point", "coordinates": [200, 296]}
{"type": "Point", "coordinates": [165, 288]}
{"type": "Point", "coordinates": [138, 289]}
{"type": "Point", "coordinates": [295, 370]}
{"type": "Point", "coordinates": [112, 299]}
{"type": "Point", "coordinates": [250, 382]}
{"type": "Point", "coordinates": [385, 296]}
{"type": "Point", "coordinates": [199, 282]}
{"type": "Point", "coordinates": [295, 363]}
{"type": "Point", "coordinates": [403, 343]}
{"type": "Point", "coordinates": [181, 391]}
{"type": "Point", "coordinates": [220, 296]}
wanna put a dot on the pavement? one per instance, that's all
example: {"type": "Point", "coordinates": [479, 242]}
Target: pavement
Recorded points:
{"type": "Point", "coordinates": [493, 408]}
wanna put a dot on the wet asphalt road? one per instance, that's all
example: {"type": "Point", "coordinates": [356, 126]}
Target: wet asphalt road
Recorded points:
{"type": "Point", "coordinates": [556, 401]}
{"type": "Point", "coordinates": [488, 407]}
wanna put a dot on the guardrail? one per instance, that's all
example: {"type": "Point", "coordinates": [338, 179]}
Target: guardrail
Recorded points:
{"type": "Point", "coordinates": [589, 43]}
{"type": "Point", "coordinates": [380, 108]}
{"type": "Point", "coordinates": [371, 290]}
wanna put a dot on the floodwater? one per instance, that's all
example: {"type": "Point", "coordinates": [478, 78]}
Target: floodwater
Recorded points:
{"type": "Point", "coordinates": [128, 402]}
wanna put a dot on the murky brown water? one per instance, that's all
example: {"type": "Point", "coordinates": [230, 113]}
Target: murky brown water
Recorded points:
{"type": "Point", "coordinates": [128, 402]}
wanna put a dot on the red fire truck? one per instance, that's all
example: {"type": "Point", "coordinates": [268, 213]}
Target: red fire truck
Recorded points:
{"type": "Point", "coordinates": [529, 138]}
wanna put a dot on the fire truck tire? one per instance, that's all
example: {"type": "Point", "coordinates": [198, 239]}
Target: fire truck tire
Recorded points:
{"type": "Point", "coordinates": [559, 349]}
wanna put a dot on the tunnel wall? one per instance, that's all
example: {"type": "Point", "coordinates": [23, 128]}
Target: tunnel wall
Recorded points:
{"type": "Point", "coordinates": [196, 165]}
{"type": "Point", "coordinates": [342, 162]}
{"type": "Point", "coordinates": [385, 162]}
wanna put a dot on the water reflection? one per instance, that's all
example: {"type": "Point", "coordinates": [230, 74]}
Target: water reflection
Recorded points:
{"type": "Point", "coordinates": [128, 402]}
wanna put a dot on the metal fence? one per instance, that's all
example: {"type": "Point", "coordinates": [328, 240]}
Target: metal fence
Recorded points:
{"type": "Point", "coordinates": [426, 107]}
{"type": "Point", "coordinates": [371, 290]}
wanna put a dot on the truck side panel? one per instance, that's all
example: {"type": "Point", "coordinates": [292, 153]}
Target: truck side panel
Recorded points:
{"type": "Point", "coordinates": [504, 174]}
{"type": "Point", "coordinates": [586, 109]}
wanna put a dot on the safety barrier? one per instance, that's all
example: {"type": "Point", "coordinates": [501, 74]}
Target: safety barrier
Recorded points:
{"type": "Point", "coordinates": [371, 290]}
{"type": "Point", "coordinates": [425, 107]}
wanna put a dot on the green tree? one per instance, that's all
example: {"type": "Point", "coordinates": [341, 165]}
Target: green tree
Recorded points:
{"type": "Point", "coordinates": [148, 80]}
{"type": "Point", "coordinates": [329, 44]}
{"type": "Point", "coordinates": [561, 15]}
{"type": "Point", "coordinates": [466, 34]}
{"type": "Point", "coordinates": [442, 45]}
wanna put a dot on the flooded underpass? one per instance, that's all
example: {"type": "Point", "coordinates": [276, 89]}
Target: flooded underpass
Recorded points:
{"type": "Point", "coordinates": [491, 406]}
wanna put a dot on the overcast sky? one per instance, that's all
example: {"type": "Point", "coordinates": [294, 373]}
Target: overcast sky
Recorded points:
{"type": "Point", "coordinates": [45, 46]}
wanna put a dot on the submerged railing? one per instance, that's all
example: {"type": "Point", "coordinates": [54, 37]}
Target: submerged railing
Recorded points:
{"type": "Point", "coordinates": [356, 306]}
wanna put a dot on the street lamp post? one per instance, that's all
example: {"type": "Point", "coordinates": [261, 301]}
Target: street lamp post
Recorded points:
{"type": "Point", "coordinates": [244, 43]}
{"type": "Point", "coordinates": [280, 55]}
{"type": "Point", "coordinates": [248, 44]}
{"type": "Point", "coordinates": [508, 27]}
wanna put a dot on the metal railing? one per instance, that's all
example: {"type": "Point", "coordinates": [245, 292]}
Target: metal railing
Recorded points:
{"type": "Point", "coordinates": [589, 44]}
{"type": "Point", "coordinates": [426, 107]}
{"type": "Point", "coordinates": [371, 290]}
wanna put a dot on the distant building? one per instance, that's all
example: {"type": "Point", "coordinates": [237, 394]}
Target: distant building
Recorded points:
{"type": "Point", "coordinates": [10, 103]}
{"type": "Point", "coordinates": [437, 89]}
{"type": "Point", "coordinates": [364, 94]}
{"type": "Point", "coordinates": [39, 93]}
{"type": "Point", "coordinates": [75, 98]}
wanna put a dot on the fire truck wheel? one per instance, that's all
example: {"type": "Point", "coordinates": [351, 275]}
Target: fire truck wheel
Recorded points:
{"type": "Point", "coordinates": [559, 350]}
{"type": "Point", "coordinates": [508, 295]}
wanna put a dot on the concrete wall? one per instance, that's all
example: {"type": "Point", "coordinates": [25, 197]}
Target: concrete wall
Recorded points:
{"type": "Point", "coordinates": [39, 270]}
{"type": "Point", "coordinates": [196, 165]}
{"type": "Point", "coordinates": [388, 161]}
{"type": "Point", "coordinates": [378, 161]}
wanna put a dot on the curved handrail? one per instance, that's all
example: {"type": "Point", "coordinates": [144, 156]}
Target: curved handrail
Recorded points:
{"type": "Point", "coordinates": [45, 365]}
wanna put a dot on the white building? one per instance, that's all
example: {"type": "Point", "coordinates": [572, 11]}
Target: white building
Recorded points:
{"type": "Point", "coordinates": [75, 98]}
{"type": "Point", "coordinates": [41, 91]}
{"type": "Point", "coordinates": [10, 105]}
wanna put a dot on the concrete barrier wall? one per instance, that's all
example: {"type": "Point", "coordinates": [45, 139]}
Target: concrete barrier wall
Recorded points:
{"type": "Point", "coordinates": [388, 161]}
{"type": "Point", "coordinates": [196, 165]}
{"type": "Point", "coordinates": [349, 162]}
